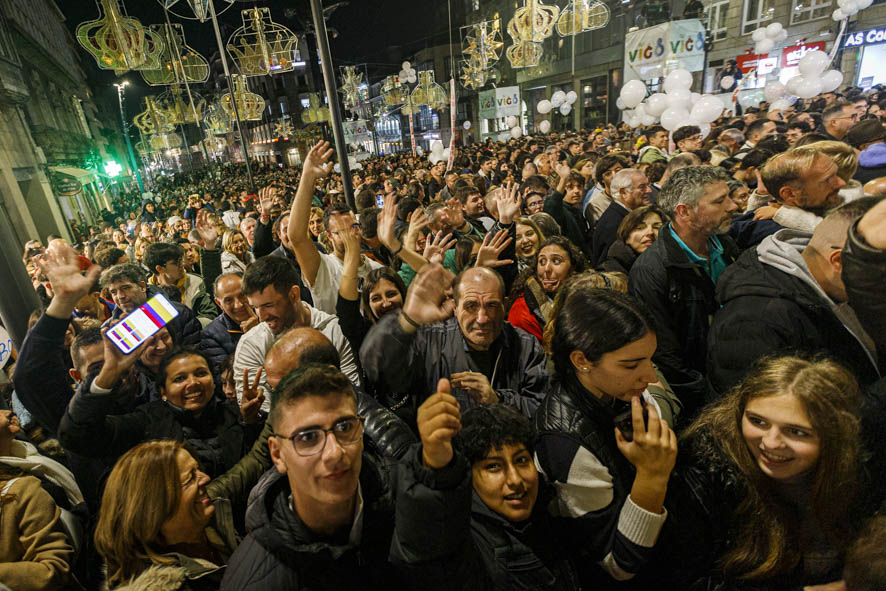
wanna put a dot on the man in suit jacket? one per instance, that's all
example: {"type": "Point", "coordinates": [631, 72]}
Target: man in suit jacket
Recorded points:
{"type": "Point", "coordinates": [630, 189]}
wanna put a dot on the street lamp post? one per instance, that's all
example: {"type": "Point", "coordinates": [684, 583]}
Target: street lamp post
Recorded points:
{"type": "Point", "coordinates": [132, 160]}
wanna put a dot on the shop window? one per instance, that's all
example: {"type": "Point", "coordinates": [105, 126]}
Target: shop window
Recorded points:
{"type": "Point", "coordinates": [593, 101]}
{"type": "Point", "coordinates": [809, 10]}
{"type": "Point", "coordinates": [716, 15]}
{"type": "Point", "coordinates": [756, 13]}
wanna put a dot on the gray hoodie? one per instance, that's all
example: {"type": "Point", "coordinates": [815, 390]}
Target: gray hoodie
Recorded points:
{"type": "Point", "coordinates": [784, 251]}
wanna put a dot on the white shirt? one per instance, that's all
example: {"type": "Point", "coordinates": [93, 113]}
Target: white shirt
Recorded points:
{"type": "Point", "coordinates": [324, 290]}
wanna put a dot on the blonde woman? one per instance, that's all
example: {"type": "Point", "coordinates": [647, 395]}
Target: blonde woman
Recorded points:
{"type": "Point", "coordinates": [235, 255]}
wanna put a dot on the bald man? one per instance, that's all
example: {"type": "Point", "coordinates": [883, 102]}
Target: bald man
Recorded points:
{"type": "Point", "coordinates": [876, 187]}
{"type": "Point", "coordinates": [487, 360]}
{"type": "Point", "coordinates": [787, 295]}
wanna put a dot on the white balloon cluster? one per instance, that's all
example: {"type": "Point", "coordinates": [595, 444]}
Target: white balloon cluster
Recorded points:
{"type": "Point", "coordinates": [438, 153]}
{"type": "Point", "coordinates": [813, 79]}
{"type": "Point", "coordinates": [407, 73]}
{"type": "Point", "coordinates": [675, 107]}
{"type": "Point", "coordinates": [559, 100]}
{"type": "Point", "coordinates": [766, 37]}
{"type": "Point", "coordinates": [849, 8]}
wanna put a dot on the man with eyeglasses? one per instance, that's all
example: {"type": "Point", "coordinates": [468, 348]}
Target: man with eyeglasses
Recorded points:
{"type": "Point", "coordinates": [321, 272]}
{"type": "Point", "coordinates": [687, 138]}
{"type": "Point", "coordinates": [325, 519]}
{"type": "Point", "coordinates": [836, 121]}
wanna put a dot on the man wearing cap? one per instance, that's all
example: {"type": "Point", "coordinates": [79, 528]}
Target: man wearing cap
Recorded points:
{"type": "Point", "coordinates": [175, 228]}
{"type": "Point", "coordinates": [868, 137]}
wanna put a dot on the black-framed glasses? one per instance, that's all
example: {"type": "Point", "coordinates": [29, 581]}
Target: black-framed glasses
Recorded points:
{"type": "Point", "coordinates": [310, 442]}
{"type": "Point", "coordinates": [354, 226]}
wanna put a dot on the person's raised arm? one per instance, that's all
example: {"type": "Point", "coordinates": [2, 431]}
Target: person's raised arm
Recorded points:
{"type": "Point", "coordinates": [62, 269]}
{"type": "Point", "coordinates": [387, 219]}
{"type": "Point", "coordinates": [316, 166]}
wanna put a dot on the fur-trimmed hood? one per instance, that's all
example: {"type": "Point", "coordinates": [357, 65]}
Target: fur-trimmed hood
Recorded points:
{"type": "Point", "coordinates": [171, 577]}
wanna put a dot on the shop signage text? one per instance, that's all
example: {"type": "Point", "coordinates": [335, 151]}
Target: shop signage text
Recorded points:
{"type": "Point", "coordinates": [791, 55]}
{"type": "Point", "coordinates": [501, 102]}
{"type": "Point", "coordinates": [868, 37]}
{"type": "Point", "coordinates": [675, 44]}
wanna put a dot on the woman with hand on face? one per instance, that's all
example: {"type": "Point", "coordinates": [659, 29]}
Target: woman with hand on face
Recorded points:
{"type": "Point", "coordinates": [160, 526]}
{"type": "Point", "coordinates": [235, 255]}
{"type": "Point", "coordinates": [770, 486]}
{"type": "Point", "coordinates": [529, 236]}
{"type": "Point", "coordinates": [534, 291]}
{"type": "Point", "coordinates": [188, 411]}
{"type": "Point", "coordinates": [637, 231]}
{"type": "Point", "coordinates": [602, 442]}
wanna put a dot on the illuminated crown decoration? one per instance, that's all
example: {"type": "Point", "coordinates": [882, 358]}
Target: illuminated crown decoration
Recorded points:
{"type": "Point", "coordinates": [531, 24]}
{"type": "Point", "coordinates": [393, 91]}
{"type": "Point", "coordinates": [249, 105]}
{"type": "Point", "coordinates": [582, 16]}
{"type": "Point", "coordinates": [120, 43]}
{"type": "Point", "coordinates": [315, 113]}
{"type": "Point", "coordinates": [144, 147]}
{"type": "Point", "coordinates": [179, 107]}
{"type": "Point", "coordinates": [217, 120]}
{"type": "Point", "coordinates": [200, 8]}
{"type": "Point", "coordinates": [261, 46]}
{"type": "Point", "coordinates": [153, 119]}
{"type": "Point", "coordinates": [351, 81]}
{"type": "Point", "coordinates": [165, 141]}
{"type": "Point", "coordinates": [429, 92]}
{"type": "Point", "coordinates": [179, 63]}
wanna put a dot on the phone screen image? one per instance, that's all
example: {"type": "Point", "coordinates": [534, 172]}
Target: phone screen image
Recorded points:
{"type": "Point", "coordinates": [380, 200]}
{"type": "Point", "coordinates": [142, 323]}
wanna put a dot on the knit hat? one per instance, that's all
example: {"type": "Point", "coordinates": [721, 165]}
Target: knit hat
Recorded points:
{"type": "Point", "coordinates": [173, 221]}
{"type": "Point", "coordinates": [868, 130]}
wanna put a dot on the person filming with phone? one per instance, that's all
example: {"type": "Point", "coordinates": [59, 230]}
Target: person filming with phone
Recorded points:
{"type": "Point", "coordinates": [601, 439]}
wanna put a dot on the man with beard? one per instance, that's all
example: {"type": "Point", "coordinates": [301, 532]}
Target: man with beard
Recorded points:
{"type": "Point", "coordinates": [270, 285]}
{"type": "Point", "coordinates": [676, 276]}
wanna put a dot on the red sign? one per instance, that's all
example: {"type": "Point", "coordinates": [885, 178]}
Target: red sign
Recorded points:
{"type": "Point", "coordinates": [790, 56]}
{"type": "Point", "coordinates": [749, 62]}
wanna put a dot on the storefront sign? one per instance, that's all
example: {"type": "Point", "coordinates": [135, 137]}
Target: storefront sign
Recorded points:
{"type": "Point", "coordinates": [356, 132]}
{"type": "Point", "coordinates": [65, 185]}
{"type": "Point", "coordinates": [677, 44]}
{"type": "Point", "coordinates": [791, 55]}
{"type": "Point", "coordinates": [868, 37]}
{"type": "Point", "coordinates": [501, 102]}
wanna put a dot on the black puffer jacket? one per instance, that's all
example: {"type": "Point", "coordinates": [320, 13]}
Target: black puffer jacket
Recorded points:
{"type": "Point", "coordinates": [767, 311]}
{"type": "Point", "coordinates": [864, 275]}
{"type": "Point", "coordinates": [681, 298]}
{"type": "Point", "coordinates": [217, 436]}
{"type": "Point", "coordinates": [219, 339]}
{"type": "Point", "coordinates": [572, 221]}
{"type": "Point", "coordinates": [281, 553]}
{"type": "Point", "coordinates": [619, 259]}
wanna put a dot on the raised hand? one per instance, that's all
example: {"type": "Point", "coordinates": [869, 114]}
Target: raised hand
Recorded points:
{"type": "Point", "coordinates": [439, 419]}
{"type": "Point", "coordinates": [253, 397]}
{"type": "Point", "coordinates": [250, 322]}
{"type": "Point", "coordinates": [61, 266]}
{"type": "Point", "coordinates": [417, 222]}
{"type": "Point", "coordinates": [266, 198]}
{"type": "Point", "coordinates": [426, 301]}
{"type": "Point", "coordinates": [317, 164]}
{"type": "Point", "coordinates": [116, 363]}
{"type": "Point", "coordinates": [387, 219]}
{"type": "Point", "coordinates": [477, 386]}
{"type": "Point", "coordinates": [509, 203]}
{"type": "Point", "coordinates": [562, 169]}
{"type": "Point", "coordinates": [207, 230]}
{"type": "Point", "coordinates": [653, 450]}
{"type": "Point", "coordinates": [351, 238]}
{"type": "Point", "coordinates": [435, 249]}
{"type": "Point", "coordinates": [491, 249]}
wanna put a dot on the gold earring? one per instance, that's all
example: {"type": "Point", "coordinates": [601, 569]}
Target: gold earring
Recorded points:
{"type": "Point", "coordinates": [163, 398]}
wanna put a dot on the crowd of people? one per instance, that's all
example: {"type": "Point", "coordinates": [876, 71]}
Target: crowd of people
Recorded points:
{"type": "Point", "coordinates": [608, 359]}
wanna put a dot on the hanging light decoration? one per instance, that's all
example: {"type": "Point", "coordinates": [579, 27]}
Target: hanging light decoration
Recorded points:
{"type": "Point", "coordinates": [529, 27]}
{"type": "Point", "coordinates": [262, 47]}
{"type": "Point", "coordinates": [118, 42]}
{"type": "Point", "coordinates": [180, 108]}
{"type": "Point", "coordinates": [165, 141]}
{"type": "Point", "coordinates": [179, 63]}
{"type": "Point", "coordinates": [283, 128]}
{"type": "Point", "coordinates": [582, 16]}
{"type": "Point", "coordinates": [429, 92]}
{"type": "Point", "coordinates": [482, 47]}
{"type": "Point", "coordinates": [217, 120]}
{"type": "Point", "coordinates": [315, 113]}
{"type": "Point", "coordinates": [249, 104]}
{"type": "Point", "coordinates": [153, 119]}
{"type": "Point", "coordinates": [393, 90]}
{"type": "Point", "coordinates": [351, 88]}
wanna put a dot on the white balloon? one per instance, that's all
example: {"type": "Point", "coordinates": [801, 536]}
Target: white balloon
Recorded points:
{"type": "Point", "coordinates": [403, 75]}
{"type": "Point", "coordinates": [656, 104]}
{"type": "Point", "coordinates": [544, 106]}
{"type": "Point", "coordinates": [446, 154]}
{"type": "Point", "coordinates": [782, 36]}
{"type": "Point", "coordinates": [466, 124]}
{"type": "Point", "coordinates": [558, 98]}
{"type": "Point", "coordinates": [693, 98]}
{"type": "Point", "coordinates": [511, 121]}
{"type": "Point", "coordinates": [764, 46]}
{"type": "Point", "coordinates": [571, 96]}
{"type": "Point", "coordinates": [648, 120]}
{"type": "Point", "coordinates": [850, 8]}
{"type": "Point", "coordinates": [779, 105]}
{"type": "Point", "coordinates": [407, 66]}
{"type": "Point", "coordinates": [620, 104]}
{"type": "Point", "coordinates": [632, 93]}
{"type": "Point", "coordinates": [435, 158]}
{"type": "Point", "coordinates": [516, 132]}
{"type": "Point", "coordinates": [726, 82]}
{"type": "Point", "coordinates": [808, 87]}
{"type": "Point", "coordinates": [773, 30]}
{"type": "Point", "coordinates": [436, 147]}
{"type": "Point", "coordinates": [707, 109]}
{"type": "Point", "coordinates": [773, 90]}
{"type": "Point", "coordinates": [544, 126]}
{"type": "Point", "coordinates": [862, 4]}
{"type": "Point", "coordinates": [672, 118]}
{"type": "Point", "coordinates": [838, 15]}
{"type": "Point", "coordinates": [813, 63]}
{"type": "Point", "coordinates": [679, 78]}
{"type": "Point", "coordinates": [831, 80]}
{"type": "Point", "coordinates": [565, 109]}
{"type": "Point", "coordinates": [679, 98]}
{"type": "Point", "coordinates": [704, 129]}
{"type": "Point", "coordinates": [640, 111]}
{"type": "Point", "coordinates": [758, 35]}
{"type": "Point", "coordinates": [791, 86]}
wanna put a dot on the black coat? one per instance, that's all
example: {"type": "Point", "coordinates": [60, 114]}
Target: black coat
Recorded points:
{"type": "Point", "coordinates": [573, 224]}
{"type": "Point", "coordinates": [619, 258]}
{"type": "Point", "coordinates": [769, 312]}
{"type": "Point", "coordinates": [748, 232]}
{"type": "Point", "coordinates": [219, 339]}
{"type": "Point", "coordinates": [606, 230]}
{"type": "Point", "coordinates": [681, 299]}
{"type": "Point", "coordinates": [864, 275]}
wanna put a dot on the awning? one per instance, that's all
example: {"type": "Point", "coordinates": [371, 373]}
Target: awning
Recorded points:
{"type": "Point", "coordinates": [84, 176]}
